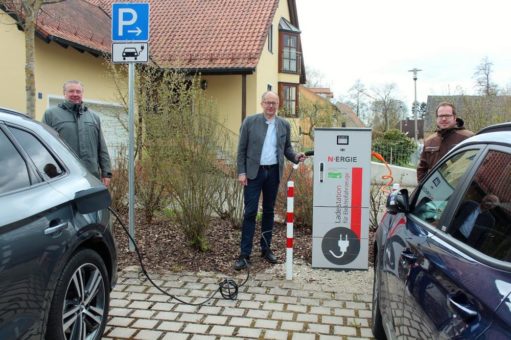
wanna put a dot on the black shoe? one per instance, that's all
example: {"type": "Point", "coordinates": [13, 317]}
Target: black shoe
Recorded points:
{"type": "Point", "coordinates": [242, 262]}
{"type": "Point", "coordinates": [269, 256]}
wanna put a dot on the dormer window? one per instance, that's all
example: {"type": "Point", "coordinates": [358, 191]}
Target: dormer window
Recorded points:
{"type": "Point", "coordinates": [289, 48]}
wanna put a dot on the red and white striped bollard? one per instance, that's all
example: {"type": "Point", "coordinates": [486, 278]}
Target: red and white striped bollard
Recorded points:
{"type": "Point", "coordinates": [290, 220]}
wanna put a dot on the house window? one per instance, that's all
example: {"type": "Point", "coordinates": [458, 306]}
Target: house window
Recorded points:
{"type": "Point", "coordinates": [288, 94]}
{"type": "Point", "coordinates": [269, 87]}
{"type": "Point", "coordinates": [289, 53]}
{"type": "Point", "coordinates": [270, 39]}
{"type": "Point", "coordinates": [289, 48]}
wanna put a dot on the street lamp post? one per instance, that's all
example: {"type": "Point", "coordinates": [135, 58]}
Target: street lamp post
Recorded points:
{"type": "Point", "coordinates": [415, 103]}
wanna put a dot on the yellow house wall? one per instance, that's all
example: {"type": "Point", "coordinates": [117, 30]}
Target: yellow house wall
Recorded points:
{"type": "Point", "coordinates": [225, 91]}
{"type": "Point", "coordinates": [267, 71]}
{"type": "Point", "coordinates": [12, 65]}
{"type": "Point", "coordinates": [53, 66]}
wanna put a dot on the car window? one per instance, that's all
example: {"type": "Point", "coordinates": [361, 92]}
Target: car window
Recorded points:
{"type": "Point", "coordinates": [41, 157]}
{"type": "Point", "coordinates": [438, 188]}
{"type": "Point", "coordinates": [13, 172]}
{"type": "Point", "coordinates": [483, 218]}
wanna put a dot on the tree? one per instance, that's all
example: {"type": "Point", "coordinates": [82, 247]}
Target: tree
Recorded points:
{"type": "Point", "coordinates": [358, 99]}
{"type": "Point", "coordinates": [387, 110]}
{"type": "Point", "coordinates": [483, 77]}
{"type": "Point", "coordinates": [25, 13]}
{"type": "Point", "coordinates": [315, 78]}
{"type": "Point", "coordinates": [317, 113]}
{"type": "Point", "coordinates": [395, 147]}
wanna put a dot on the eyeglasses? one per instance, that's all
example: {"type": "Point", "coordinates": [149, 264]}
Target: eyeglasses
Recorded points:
{"type": "Point", "coordinates": [271, 103]}
{"type": "Point", "coordinates": [444, 116]}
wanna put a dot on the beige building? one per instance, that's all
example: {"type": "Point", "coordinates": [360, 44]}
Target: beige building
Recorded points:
{"type": "Point", "coordinates": [241, 48]}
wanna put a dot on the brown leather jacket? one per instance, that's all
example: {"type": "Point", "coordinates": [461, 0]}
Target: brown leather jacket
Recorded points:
{"type": "Point", "coordinates": [437, 145]}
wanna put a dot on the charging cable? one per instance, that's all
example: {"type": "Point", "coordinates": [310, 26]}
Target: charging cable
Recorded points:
{"type": "Point", "coordinates": [228, 288]}
{"type": "Point", "coordinates": [295, 166]}
{"type": "Point", "coordinates": [388, 175]}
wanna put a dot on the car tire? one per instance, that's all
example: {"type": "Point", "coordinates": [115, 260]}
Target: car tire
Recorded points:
{"type": "Point", "coordinates": [80, 303]}
{"type": "Point", "coordinates": [377, 324]}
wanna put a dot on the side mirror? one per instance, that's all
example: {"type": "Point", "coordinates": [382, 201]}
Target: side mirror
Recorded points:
{"type": "Point", "coordinates": [398, 202]}
{"type": "Point", "coordinates": [93, 199]}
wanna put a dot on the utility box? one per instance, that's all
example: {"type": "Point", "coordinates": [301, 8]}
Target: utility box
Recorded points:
{"type": "Point", "coordinates": [342, 176]}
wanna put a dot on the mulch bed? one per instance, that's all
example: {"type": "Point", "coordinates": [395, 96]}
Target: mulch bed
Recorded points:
{"type": "Point", "coordinates": [164, 248]}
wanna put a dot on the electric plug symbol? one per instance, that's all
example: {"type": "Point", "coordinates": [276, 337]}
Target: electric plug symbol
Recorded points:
{"type": "Point", "coordinates": [343, 244]}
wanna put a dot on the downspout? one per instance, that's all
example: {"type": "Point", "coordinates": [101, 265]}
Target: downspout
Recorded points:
{"type": "Point", "coordinates": [243, 97]}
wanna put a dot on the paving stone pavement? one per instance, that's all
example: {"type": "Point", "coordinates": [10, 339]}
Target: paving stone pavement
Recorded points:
{"type": "Point", "coordinates": [267, 307]}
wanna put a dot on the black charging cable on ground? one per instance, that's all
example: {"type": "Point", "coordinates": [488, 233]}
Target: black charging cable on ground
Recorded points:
{"type": "Point", "coordinates": [228, 288]}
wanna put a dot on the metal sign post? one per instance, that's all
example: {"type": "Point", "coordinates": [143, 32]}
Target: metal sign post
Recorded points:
{"type": "Point", "coordinates": [130, 25]}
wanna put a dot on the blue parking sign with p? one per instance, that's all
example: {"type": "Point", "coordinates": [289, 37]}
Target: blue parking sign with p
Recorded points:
{"type": "Point", "coordinates": [130, 21]}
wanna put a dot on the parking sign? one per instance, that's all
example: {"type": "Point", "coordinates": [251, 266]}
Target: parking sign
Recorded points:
{"type": "Point", "coordinates": [130, 22]}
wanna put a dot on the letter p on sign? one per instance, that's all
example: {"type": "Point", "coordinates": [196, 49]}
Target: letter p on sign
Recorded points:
{"type": "Point", "coordinates": [124, 14]}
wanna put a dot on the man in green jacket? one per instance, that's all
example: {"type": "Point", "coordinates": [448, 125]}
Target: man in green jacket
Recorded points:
{"type": "Point", "coordinates": [80, 128]}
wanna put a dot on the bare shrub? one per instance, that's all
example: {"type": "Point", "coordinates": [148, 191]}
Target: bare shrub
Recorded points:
{"type": "Point", "coordinates": [183, 144]}
{"type": "Point", "coordinates": [151, 191]}
{"type": "Point", "coordinates": [303, 193]}
{"type": "Point", "coordinates": [377, 199]}
{"type": "Point", "coordinates": [119, 184]}
{"type": "Point", "coordinates": [229, 202]}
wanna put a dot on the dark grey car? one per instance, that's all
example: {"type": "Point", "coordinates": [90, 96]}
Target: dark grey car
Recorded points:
{"type": "Point", "coordinates": [58, 260]}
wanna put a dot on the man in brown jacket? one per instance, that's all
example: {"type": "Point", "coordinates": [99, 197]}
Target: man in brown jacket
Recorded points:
{"type": "Point", "coordinates": [449, 133]}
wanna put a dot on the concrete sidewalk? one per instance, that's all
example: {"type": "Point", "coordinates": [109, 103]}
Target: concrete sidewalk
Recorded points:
{"type": "Point", "coordinates": [268, 307]}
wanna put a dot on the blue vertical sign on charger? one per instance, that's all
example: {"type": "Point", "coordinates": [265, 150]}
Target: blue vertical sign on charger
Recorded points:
{"type": "Point", "coordinates": [130, 22]}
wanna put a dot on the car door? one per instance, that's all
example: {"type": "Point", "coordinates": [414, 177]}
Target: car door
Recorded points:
{"type": "Point", "coordinates": [391, 302]}
{"type": "Point", "coordinates": [486, 240]}
{"type": "Point", "coordinates": [34, 228]}
{"type": "Point", "coordinates": [449, 292]}
{"type": "Point", "coordinates": [408, 237]}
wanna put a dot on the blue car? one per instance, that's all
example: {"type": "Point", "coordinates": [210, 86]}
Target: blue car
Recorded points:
{"type": "Point", "coordinates": [443, 253]}
{"type": "Point", "coordinates": [58, 260]}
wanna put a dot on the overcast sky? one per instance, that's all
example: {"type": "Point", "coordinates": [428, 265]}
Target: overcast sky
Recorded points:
{"type": "Point", "coordinates": [378, 41]}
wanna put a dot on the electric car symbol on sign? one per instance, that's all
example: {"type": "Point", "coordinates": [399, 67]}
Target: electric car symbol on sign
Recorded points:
{"type": "Point", "coordinates": [58, 259]}
{"type": "Point", "coordinates": [130, 52]}
{"type": "Point", "coordinates": [443, 256]}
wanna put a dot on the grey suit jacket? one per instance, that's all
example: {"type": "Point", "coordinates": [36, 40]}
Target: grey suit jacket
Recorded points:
{"type": "Point", "coordinates": [252, 134]}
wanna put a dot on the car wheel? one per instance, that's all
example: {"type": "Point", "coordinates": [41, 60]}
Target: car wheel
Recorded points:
{"type": "Point", "coordinates": [79, 309]}
{"type": "Point", "coordinates": [377, 324]}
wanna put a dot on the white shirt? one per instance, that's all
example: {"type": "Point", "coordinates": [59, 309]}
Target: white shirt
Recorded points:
{"type": "Point", "coordinates": [269, 152]}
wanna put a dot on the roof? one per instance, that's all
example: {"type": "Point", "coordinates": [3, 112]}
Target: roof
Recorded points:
{"type": "Point", "coordinates": [285, 25]}
{"type": "Point", "coordinates": [322, 91]}
{"type": "Point", "coordinates": [189, 34]}
{"type": "Point", "coordinates": [72, 22]}
{"type": "Point", "coordinates": [348, 111]}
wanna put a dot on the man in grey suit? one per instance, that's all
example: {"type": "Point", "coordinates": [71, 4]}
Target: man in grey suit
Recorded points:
{"type": "Point", "coordinates": [265, 139]}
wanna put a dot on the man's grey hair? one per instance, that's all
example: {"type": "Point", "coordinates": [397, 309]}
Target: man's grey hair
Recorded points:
{"type": "Point", "coordinates": [266, 93]}
{"type": "Point", "coordinates": [72, 82]}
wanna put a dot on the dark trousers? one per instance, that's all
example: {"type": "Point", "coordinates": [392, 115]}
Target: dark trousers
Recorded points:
{"type": "Point", "coordinates": [267, 182]}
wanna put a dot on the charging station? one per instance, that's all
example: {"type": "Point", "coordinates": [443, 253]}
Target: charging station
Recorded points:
{"type": "Point", "coordinates": [342, 175]}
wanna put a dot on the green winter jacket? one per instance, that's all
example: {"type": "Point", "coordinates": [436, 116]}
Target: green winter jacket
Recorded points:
{"type": "Point", "coordinates": [80, 128]}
